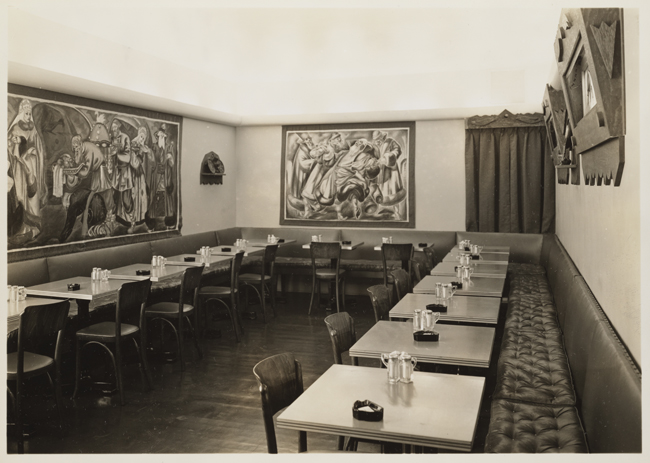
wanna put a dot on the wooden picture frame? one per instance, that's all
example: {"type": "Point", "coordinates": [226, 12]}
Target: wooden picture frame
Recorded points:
{"type": "Point", "coordinates": [560, 137]}
{"type": "Point", "coordinates": [87, 174]}
{"type": "Point", "coordinates": [589, 54]}
{"type": "Point", "coordinates": [348, 175]}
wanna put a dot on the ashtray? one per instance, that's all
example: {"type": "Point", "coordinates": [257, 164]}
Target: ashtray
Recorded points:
{"type": "Point", "coordinates": [225, 249]}
{"type": "Point", "coordinates": [437, 307]}
{"type": "Point", "coordinates": [422, 245]}
{"type": "Point", "coordinates": [280, 240]}
{"type": "Point", "coordinates": [427, 336]}
{"type": "Point", "coordinates": [74, 287]}
{"type": "Point", "coordinates": [143, 272]}
{"type": "Point", "coordinates": [190, 259]}
{"type": "Point", "coordinates": [467, 249]}
{"type": "Point", "coordinates": [346, 242]}
{"type": "Point", "coordinates": [457, 284]}
{"type": "Point", "coordinates": [366, 410]}
{"type": "Point", "coordinates": [475, 257]}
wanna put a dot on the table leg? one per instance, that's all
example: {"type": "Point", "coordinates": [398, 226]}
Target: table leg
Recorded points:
{"type": "Point", "coordinates": [83, 312]}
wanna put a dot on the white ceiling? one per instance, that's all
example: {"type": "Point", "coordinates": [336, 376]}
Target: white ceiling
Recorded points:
{"type": "Point", "coordinates": [283, 46]}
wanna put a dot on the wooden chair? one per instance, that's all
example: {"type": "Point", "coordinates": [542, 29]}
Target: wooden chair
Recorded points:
{"type": "Point", "coordinates": [264, 282]}
{"type": "Point", "coordinates": [341, 330]}
{"type": "Point", "coordinates": [334, 274]}
{"type": "Point", "coordinates": [219, 294]}
{"type": "Point", "coordinates": [380, 298]}
{"type": "Point", "coordinates": [280, 381]}
{"type": "Point", "coordinates": [174, 313]}
{"type": "Point", "coordinates": [38, 324]}
{"type": "Point", "coordinates": [130, 297]}
{"type": "Point", "coordinates": [430, 259]}
{"type": "Point", "coordinates": [402, 283]}
{"type": "Point", "coordinates": [399, 252]}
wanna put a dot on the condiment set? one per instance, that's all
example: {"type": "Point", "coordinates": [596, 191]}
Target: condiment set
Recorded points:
{"type": "Point", "coordinates": [317, 238]}
{"type": "Point", "coordinates": [99, 274]}
{"type": "Point", "coordinates": [400, 366]}
{"type": "Point", "coordinates": [206, 254]}
{"type": "Point", "coordinates": [387, 240]}
{"type": "Point", "coordinates": [158, 262]}
{"type": "Point", "coordinates": [16, 293]}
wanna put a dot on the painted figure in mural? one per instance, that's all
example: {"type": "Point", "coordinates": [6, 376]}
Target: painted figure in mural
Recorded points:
{"type": "Point", "coordinates": [26, 153]}
{"type": "Point", "coordinates": [303, 163]}
{"type": "Point", "coordinates": [162, 200]}
{"type": "Point", "coordinates": [120, 151]}
{"type": "Point", "coordinates": [390, 183]}
{"type": "Point", "coordinates": [140, 155]}
{"type": "Point", "coordinates": [323, 157]}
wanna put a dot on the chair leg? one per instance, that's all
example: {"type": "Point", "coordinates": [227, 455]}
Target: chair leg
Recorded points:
{"type": "Point", "coordinates": [234, 317]}
{"type": "Point", "coordinates": [20, 438]}
{"type": "Point", "coordinates": [144, 368]}
{"type": "Point", "coordinates": [195, 330]}
{"type": "Point", "coordinates": [336, 284]}
{"type": "Point", "coordinates": [77, 374]}
{"type": "Point", "coordinates": [313, 291]}
{"type": "Point", "coordinates": [343, 294]}
{"type": "Point", "coordinates": [260, 293]}
{"type": "Point", "coordinates": [196, 340]}
{"type": "Point", "coordinates": [143, 353]}
{"type": "Point", "coordinates": [179, 338]}
{"type": "Point", "coordinates": [117, 364]}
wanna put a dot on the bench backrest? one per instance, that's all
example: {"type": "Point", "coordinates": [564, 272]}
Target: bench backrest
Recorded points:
{"type": "Point", "coordinates": [524, 247]}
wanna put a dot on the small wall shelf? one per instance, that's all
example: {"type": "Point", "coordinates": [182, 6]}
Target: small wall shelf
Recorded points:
{"type": "Point", "coordinates": [212, 169]}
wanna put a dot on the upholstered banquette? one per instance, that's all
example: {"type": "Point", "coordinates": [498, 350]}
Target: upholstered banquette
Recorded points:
{"type": "Point", "coordinates": [565, 382]}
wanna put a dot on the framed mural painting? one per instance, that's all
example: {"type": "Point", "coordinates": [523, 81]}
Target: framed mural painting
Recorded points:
{"type": "Point", "coordinates": [348, 175]}
{"type": "Point", "coordinates": [85, 174]}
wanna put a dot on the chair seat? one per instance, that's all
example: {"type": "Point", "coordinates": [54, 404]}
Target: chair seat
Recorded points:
{"type": "Point", "coordinates": [248, 277]}
{"type": "Point", "coordinates": [34, 364]}
{"type": "Point", "coordinates": [105, 331]}
{"type": "Point", "coordinates": [215, 291]}
{"type": "Point", "coordinates": [162, 309]}
{"type": "Point", "coordinates": [328, 273]}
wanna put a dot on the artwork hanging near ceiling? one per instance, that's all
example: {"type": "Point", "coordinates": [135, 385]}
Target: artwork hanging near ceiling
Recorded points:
{"type": "Point", "coordinates": [83, 170]}
{"type": "Point", "coordinates": [348, 175]}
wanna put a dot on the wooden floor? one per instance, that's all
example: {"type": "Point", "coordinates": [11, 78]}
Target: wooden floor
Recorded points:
{"type": "Point", "coordinates": [212, 407]}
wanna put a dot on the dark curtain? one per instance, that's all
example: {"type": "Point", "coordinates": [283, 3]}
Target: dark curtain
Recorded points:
{"type": "Point", "coordinates": [510, 180]}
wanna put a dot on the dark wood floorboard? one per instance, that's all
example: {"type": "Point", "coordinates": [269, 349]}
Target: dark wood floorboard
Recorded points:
{"type": "Point", "coordinates": [212, 407]}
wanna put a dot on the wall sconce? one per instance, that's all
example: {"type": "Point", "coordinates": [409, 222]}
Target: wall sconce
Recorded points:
{"type": "Point", "coordinates": [212, 169]}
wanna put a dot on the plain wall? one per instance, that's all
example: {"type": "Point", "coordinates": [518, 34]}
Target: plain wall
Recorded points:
{"type": "Point", "coordinates": [207, 207]}
{"type": "Point", "coordinates": [439, 175]}
{"type": "Point", "coordinates": [600, 225]}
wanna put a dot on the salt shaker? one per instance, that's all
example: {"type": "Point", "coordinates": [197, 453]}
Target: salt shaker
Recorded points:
{"type": "Point", "coordinates": [391, 361]}
{"type": "Point", "coordinates": [406, 365]}
{"type": "Point", "coordinates": [438, 289]}
{"type": "Point", "coordinates": [417, 320]}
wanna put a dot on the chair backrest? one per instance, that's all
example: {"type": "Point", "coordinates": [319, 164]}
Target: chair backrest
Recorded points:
{"type": "Point", "coordinates": [235, 267]}
{"type": "Point", "coordinates": [380, 297]}
{"type": "Point", "coordinates": [341, 328]}
{"type": "Point", "coordinates": [130, 296]}
{"type": "Point", "coordinates": [280, 381]}
{"type": "Point", "coordinates": [190, 284]}
{"type": "Point", "coordinates": [331, 250]}
{"type": "Point", "coordinates": [400, 252]}
{"type": "Point", "coordinates": [38, 325]}
{"type": "Point", "coordinates": [430, 258]}
{"type": "Point", "coordinates": [268, 260]}
{"type": "Point", "coordinates": [403, 283]}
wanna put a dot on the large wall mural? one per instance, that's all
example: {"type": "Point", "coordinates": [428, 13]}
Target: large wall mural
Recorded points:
{"type": "Point", "coordinates": [355, 175]}
{"type": "Point", "coordinates": [84, 170]}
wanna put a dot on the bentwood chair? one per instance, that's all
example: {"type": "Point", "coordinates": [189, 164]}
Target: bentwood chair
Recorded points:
{"type": "Point", "coordinates": [332, 275]}
{"type": "Point", "coordinates": [280, 381]}
{"type": "Point", "coordinates": [341, 330]}
{"type": "Point", "coordinates": [39, 325]}
{"type": "Point", "coordinates": [430, 259]}
{"type": "Point", "coordinates": [219, 294]}
{"type": "Point", "coordinates": [174, 314]}
{"type": "Point", "coordinates": [380, 298]}
{"type": "Point", "coordinates": [130, 297]}
{"type": "Point", "coordinates": [396, 252]}
{"type": "Point", "coordinates": [402, 282]}
{"type": "Point", "coordinates": [264, 282]}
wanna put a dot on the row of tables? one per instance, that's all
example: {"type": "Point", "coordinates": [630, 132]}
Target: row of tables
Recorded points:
{"type": "Point", "coordinates": [435, 410]}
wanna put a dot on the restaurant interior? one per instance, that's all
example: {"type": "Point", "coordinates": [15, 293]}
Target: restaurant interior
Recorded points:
{"type": "Point", "coordinates": [245, 227]}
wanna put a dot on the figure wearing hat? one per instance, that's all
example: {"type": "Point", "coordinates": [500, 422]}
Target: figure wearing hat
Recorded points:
{"type": "Point", "coordinates": [121, 151]}
{"type": "Point", "coordinates": [162, 190]}
{"type": "Point", "coordinates": [389, 153]}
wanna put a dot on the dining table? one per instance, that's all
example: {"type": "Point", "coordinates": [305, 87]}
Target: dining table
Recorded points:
{"type": "Point", "coordinates": [460, 345]}
{"type": "Point", "coordinates": [231, 251]}
{"type": "Point", "coordinates": [465, 309]}
{"type": "Point", "coordinates": [435, 410]}
{"type": "Point", "coordinates": [479, 269]}
{"type": "Point", "coordinates": [416, 246]}
{"type": "Point", "coordinates": [486, 257]}
{"type": "Point", "coordinates": [489, 248]}
{"type": "Point", "coordinates": [475, 286]}
{"type": "Point", "coordinates": [350, 246]}
{"type": "Point", "coordinates": [262, 243]}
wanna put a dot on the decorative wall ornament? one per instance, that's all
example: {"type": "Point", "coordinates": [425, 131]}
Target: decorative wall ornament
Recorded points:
{"type": "Point", "coordinates": [212, 169]}
{"type": "Point", "coordinates": [560, 137]}
{"type": "Point", "coordinates": [589, 54]}
{"type": "Point", "coordinates": [348, 175]}
{"type": "Point", "coordinates": [88, 171]}
{"type": "Point", "coordinates": [504, 120]}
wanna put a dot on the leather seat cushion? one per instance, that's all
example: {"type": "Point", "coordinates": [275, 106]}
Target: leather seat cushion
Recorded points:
{"type": "Point", "coordinates": [105, 331]}
{"type": "Point", "coordinates": [517, 268]}
{"type": "Point", "coordinates": [532, 317]}
{"type": "Point", "coordinates": [214, 291]}
{"type": "Point", "coordinates": [167, 308]}
{"type": "Point", "coordinates": [34, 364]}
{"type": "Point", "coordinates": [530, 286]}
{"type": "Point", "coordinates": [253, 277]}
{"type": "Point", "coordinates": [533, 367]}
{"type": "Point", "coordinates": [524, 428]}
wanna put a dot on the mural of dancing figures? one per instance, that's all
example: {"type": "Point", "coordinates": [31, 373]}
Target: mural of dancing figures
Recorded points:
{"type": "Point", "coordinates": [82, 170]}
{"type": "Point", "coordinates": [356, 175]}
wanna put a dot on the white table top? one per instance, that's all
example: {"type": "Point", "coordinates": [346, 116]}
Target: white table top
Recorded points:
{"type": "Point", "coordinates": [219, 251]}
{"type": "Point", "coordinates": [458, 344]}
{"type": "Point", "coordinates": [476, 286]}
{"type": "Point", "coordinates": [435, 410]}
{"type": "Point", "coordinates": [416, 247]}
{"type": "Point", "coordinates": [156, 274]}
{"type": "Point", "coordinates": [179, 260]}
{"type": "Point", "coordinates": [487, 257]}
{"type": "Point", "coordinates": [494, 249]}
{"type": "Point", "coordinates": [345, 247]}
{"type": "Point", "coordinates": [481, 269]}
{"type": "Point", "coordinates": [470, 309]}
{"type": "Point", "coordinates": [89, 289]}
{"type": "Point", "coordinates": [260, 243]}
